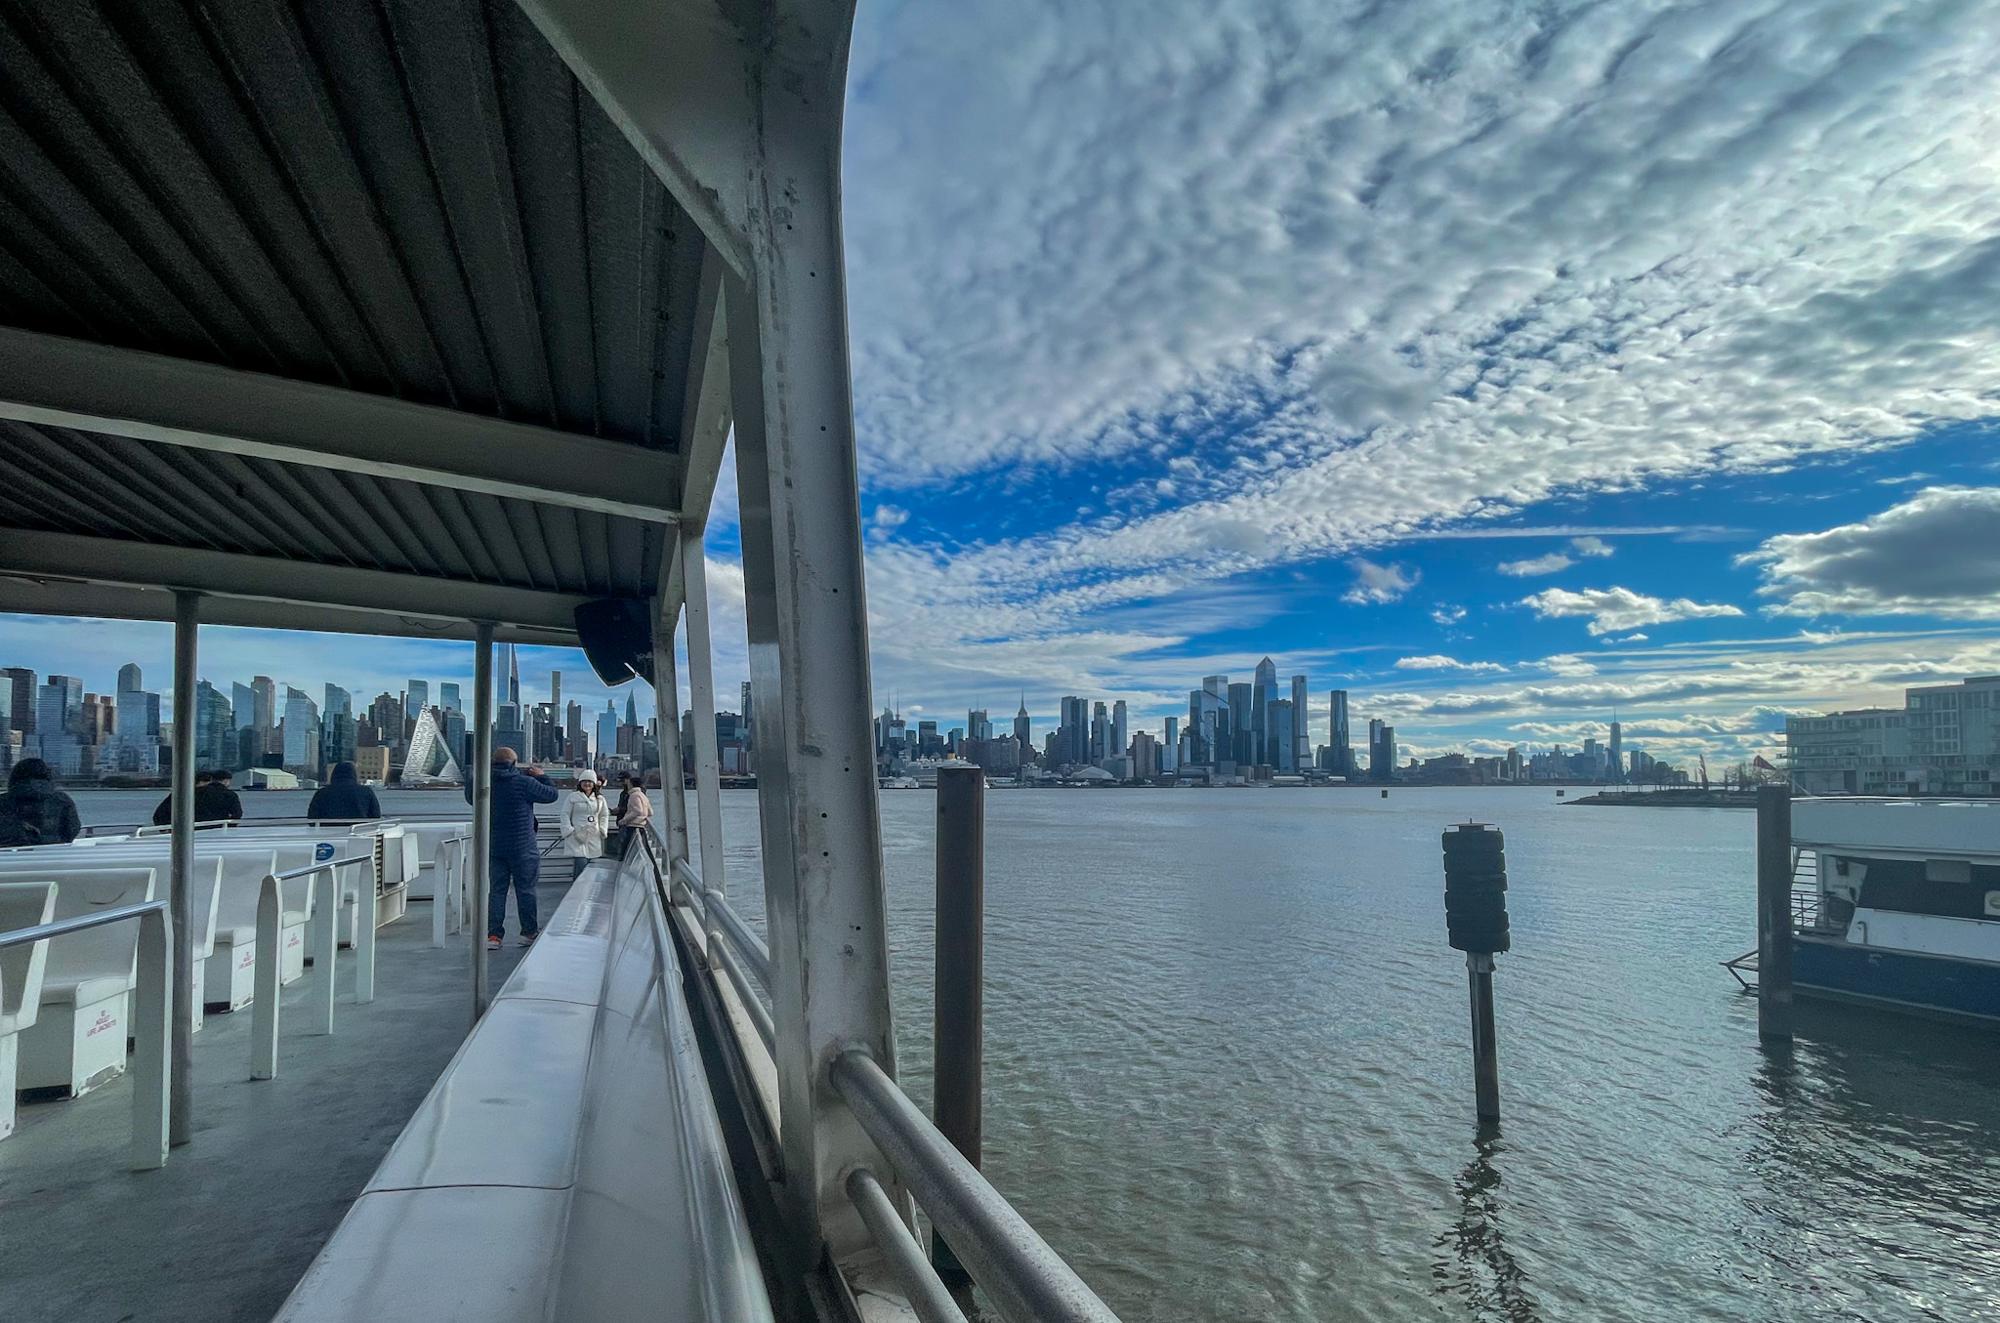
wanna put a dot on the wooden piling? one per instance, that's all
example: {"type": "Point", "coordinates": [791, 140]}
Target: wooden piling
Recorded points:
{"type": "Point", "coordinates": [959, 1042]}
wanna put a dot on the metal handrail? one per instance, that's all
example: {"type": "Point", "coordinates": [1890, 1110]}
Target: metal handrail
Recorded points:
{"type": "Point", "coordinates": [80, 923]}
{"type": "Point", "coordinates": [760, 1019]}
{"type": "Point", "coordinates": [926, 1293]}
{"type": "Point", "coordinates": [152, 1014]}
{"type": "Point", "coordinates": [727, 921]}
{"type": "Point", "coordinates": [1006, 1256]}
{"type": "Point", "coordinates": [266, 999]}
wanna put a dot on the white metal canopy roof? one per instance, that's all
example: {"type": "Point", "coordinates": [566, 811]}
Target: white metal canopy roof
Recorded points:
{"type": "Point", "coordinates": [349, 316]}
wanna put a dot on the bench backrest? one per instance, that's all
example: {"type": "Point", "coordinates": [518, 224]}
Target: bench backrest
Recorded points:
{"type": "Point", "coordinates": [111, 951]}
{"type": "Point", "coordinates": [23, 905]}
{"type": "Point", "coordinates": [213, 870]}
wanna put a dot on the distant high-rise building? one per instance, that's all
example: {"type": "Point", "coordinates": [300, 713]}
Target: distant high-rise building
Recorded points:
{"type": "Point", "coordinates": [1074, 745]}
{"type": "Point", "coordinates": [1120, 737]}
{"type": "Point", "coordinates": [1616, 752]}
{"type": "Point", "coordinates": [1242, 742]}
{"type": "Point", "coordinates": [416, 696]}
{"type": "Point", "coordinates": [1022, 735]}
{"type": "Point", "coordinates": [1263, 693]}
{"type": "Point", "coordinates": [1284, 745]}
{"type": "Point", "coordinates": [1381, 750]}
{"type": "Point", "coordinates": [448, 696]}
{"type": "Point", "coordinates": [607, 729]}
{"type": "Point", "coordinates": [138, 720]}
{"type": "Point", "coordinates": [511, 669]}
{"type": "Point", "coordinates": [338, 732]}
{"type": "Point", "coordinates": [301, 733]}
{"type": "Point", "coordinates": [264, 713]}
{"type": "Point", "coordinates": [214, 728]}
{"type": "Point", "coordinates": [1170, 746]}
{"type": "Point", "coordinates": [1337, 734]}
{"type": "Point", "coordinates": [58, 713]}
{"type": "Point", "coordinates": [19, 696]}
{"type": "Point", "coordinates": [631, 709]}
{"type": "Point", "coordinates": [1302, 745]}
{"type": "Point", "coordinates": [242, 706]}
{"type": "Point", "coordinates": [977, 725]}
{"type": "Point", "coordinates": [555, 690]}
{"type": "Point", "coordinates": [1100, 735]}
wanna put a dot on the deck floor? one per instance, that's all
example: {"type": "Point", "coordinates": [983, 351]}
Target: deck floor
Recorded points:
{"type": "Point", "coordinates": [232, 1221]}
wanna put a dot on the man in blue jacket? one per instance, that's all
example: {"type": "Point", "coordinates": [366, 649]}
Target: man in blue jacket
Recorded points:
{"type": "Point", "coordinates": [516, 791]}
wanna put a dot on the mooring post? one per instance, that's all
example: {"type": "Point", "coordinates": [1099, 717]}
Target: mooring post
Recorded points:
{"type": "Point", "coordinates": [1475, 917]}
{"type": "Point", "coordinates": [1774, 911]}
{"type": "Point", "coordinates": [959, 1044]}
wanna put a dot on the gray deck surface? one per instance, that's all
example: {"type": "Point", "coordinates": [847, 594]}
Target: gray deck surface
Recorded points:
{"type": "Point", "coordinates": [236, 1216]}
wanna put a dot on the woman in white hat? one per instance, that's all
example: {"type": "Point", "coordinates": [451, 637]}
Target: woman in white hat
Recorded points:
{"type": "Point", "coordinates": [586, 817]}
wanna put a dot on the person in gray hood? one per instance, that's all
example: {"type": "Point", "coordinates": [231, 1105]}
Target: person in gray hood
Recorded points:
{"type": "Point", "coordinates": [343, 798]}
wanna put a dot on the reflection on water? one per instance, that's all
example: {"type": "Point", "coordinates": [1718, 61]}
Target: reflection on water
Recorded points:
{"type": "Point", "coordinates": [1474, 1268]}
{"type": "Point", "coordinates": [1228, 1073]}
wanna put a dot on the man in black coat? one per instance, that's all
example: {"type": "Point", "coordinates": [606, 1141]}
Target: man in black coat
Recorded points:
{"type": "Point", "coordinates": [33, 811]}
{"type": "Point", "coordinates": [515, 861]}
{"type": "Point", "coordinates": [214, 801]}
{"type": "Point", "coordinates": [343, 798]}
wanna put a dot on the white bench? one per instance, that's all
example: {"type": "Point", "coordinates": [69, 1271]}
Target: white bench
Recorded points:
{"type": "Point", "coordinates": [214, 871]}
{"type": "Point", "coordinates": [428, 837]}
{"type": "Point", "coordinates": [22, 905]}
{"type": "Point", "coordinates": [78, 1040]}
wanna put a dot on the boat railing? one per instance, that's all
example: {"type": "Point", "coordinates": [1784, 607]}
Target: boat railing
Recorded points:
{"type": "Point", "coordinates": [152, 997]}
{"type": "Point", "coordinates": [265, 1004]}
{"type": "Point", "coordinates": [1024, 1277]}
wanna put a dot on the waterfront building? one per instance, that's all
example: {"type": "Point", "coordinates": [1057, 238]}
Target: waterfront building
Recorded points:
{"type": "Point", "coordinates": [264, 712]}
{"type": "Point", "coordinates": [301, 734]}
{"type": "Point", "coordinates": [1074, 746]}
{"type": "Point", "coordinates": [19, 696]}
{"type": "Point", "coordinates": [138, 724]}
{"type": "Point", "coordinates": [1100, 736]}
{"type": "Point", "coordinates": [1120, 737]}
{"type": "Point", "coordinates": [1145, 757]}
{"type": "Point", "coordinates": [1263, 693]}
{"type": "Point", "coordinates": [1282, 746]}
{"type": "Point", "coordinates": [1170, 746]}
{"type": "Point", "coordinates": [214, 743]}
{"type": "Point", "coordinates": [371, 763]}
{"type": "Point", "coordinates": [1944, 740]}
{"type": "Point", "coordinates": [1240, 734]}
{"type": "Point", "coordinates": [1302, 748]}
{"type": "Point", "coordinates": [1615, 752]}
{"type": "Point", "coordinates": [1338, 736]}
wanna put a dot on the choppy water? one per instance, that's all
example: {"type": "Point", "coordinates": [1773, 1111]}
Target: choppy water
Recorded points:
{"type": "Point", "coordinates": [1228, 1073]}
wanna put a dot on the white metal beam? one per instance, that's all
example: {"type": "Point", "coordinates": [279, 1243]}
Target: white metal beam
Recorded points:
{"type": "Point", "coordinates": [58, 557]}
{"type": "Point", "coordinates": [56, 382]}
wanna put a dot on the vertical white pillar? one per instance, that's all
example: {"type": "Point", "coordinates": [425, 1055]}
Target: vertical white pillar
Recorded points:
{"type": "Point", "coordinates": [808, 632]}
{"type": "Point", "coordinates": [701, 692]}
{"type": "Point", "coordinates": [482, 808]}
{"type": "Point", "coordinates": [187, 617]}
{"type": "Point", "coordinates": [667, 699]}
{"type": "Point", "coordinates": [154, 1078]}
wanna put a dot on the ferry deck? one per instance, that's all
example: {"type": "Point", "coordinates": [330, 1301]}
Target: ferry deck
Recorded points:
{"type": "Point", "coordinates": [432, 320]}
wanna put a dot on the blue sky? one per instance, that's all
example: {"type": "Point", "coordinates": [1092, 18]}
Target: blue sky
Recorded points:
{"type": "Point", "coordinates": [1505, 365]}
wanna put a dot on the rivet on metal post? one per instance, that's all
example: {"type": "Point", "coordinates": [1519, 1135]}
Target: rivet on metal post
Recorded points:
{"type": "Point", "coordinates": [1475, 915]}
{"type": "Point", "coordinates": [958, 1065]}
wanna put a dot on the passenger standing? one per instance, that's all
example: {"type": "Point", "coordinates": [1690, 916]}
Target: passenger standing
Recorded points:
{"type": "Point", "coordinates": [586, 820]}
{"type": "Point", "coordinates": [636, 811]}
{"type": "Point", "coordinates": [343, 798]}
{"type": "Point", "coordinates": [511, 842]}
{"type": "Point", "coordinates": [34, 812]}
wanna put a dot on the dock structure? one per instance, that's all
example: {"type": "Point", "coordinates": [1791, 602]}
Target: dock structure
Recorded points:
{"type": "Point", "coordinates": [433, 320]}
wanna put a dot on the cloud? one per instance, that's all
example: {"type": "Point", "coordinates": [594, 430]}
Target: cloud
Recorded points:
{"type": "Point", "coordinates": [1612, 610]}
{"type": "Point", "coordinates": [1936, 554]}
{"type": "Point", "coordinates": [1591, 546]}
{"type": "Point", "coordinates": [1447, 613]}
{"type": "Point", "coordinates": [1549, 564]}
{"type": "Point", "coordinates": [1378, 584]}
{"type": "Point", "coordinates": [1435, 662]}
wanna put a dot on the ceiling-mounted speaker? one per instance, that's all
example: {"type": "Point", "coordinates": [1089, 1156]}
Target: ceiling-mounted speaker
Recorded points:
{"type": "Point", "coordinates": [617, 636]}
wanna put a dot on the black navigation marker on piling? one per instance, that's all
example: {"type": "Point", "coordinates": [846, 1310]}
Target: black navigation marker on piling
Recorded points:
{"type": "Point", "coordinates": [1475, 920]}
{"type": "Point", "coordinates": [1774, 911]}
{"type": "Point", "coordinates": [958, 1046]}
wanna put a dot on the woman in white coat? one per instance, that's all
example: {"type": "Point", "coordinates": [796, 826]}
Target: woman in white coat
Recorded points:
{"type": "Point", "coordinates": [586, 819]}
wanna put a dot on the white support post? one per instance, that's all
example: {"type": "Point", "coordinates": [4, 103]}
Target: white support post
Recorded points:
{"type": "Point", "coordinates": [364, 933]}
{"type": "Point", "coordinates": [808, 632]}
{"type": "Point", "coordinates": [326, 939]}
{"type": "Point", "coordinates": [701, 693]}
{"type": "Point", "coordinates": [482, 808]}
{"type": "Point", "coordinates": [154, 1078]}
{"type": "Point", "coordinates": [187, 618]}
{"type": "Point", "coordinates": [667, 699]}
{"type": "Point", "coordinates": [267, 996]}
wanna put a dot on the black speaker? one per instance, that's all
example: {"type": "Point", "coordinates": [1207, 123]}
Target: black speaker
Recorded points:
{"type": "Point", "coordinates": [617, 637]}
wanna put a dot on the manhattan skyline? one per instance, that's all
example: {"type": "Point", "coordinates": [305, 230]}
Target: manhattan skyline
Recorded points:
{"type": "Point", "coordinates": [1644, 361]}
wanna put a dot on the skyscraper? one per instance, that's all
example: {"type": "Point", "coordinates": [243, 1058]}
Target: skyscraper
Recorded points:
{"type": "Point", "coordinates": [1021, 728]}
{"type": "Point", "coordinates": [1075, 732]}
{"type": "Point", "coordinates": [1120, 740]}
{"type": "Point", "coordinates": [1284, 745]}
{"type": "Point", "coordinates": [1100, 734]}
{"type": "Point", "coordinates": [338, 736]}
{"type": "Point", "coordinates": [242, 706]}
{"type": "Point", "coordinates": [1337, 734]}
{"type": "Point", "coordinates": [58, 709]}
{"type": "Point", "coordinates": [607, 730]}
{"type": "Point", "coordinates": [417, 697]}
{"type": "Point", "coordinates": [1241, 740]}
{"type": "Point", "coordinates": [138, 743]}
{"type": "Point", "coordinates": [512, 668]}
{"type": "Point", "coordinates": [213, 746]}
{"type": "Point", "coordinates": [264, 719]}
{"type": "Point", "coordinates": [448, 696]}
{"type": "Point", "coordinates": [1617, 752]}
{"type": "Point", "coordinates": [301, 733]}
{"type": "Point", "coordinates": [19, 696]}
{"type": "Point", "coordinates": [1262, 695]}
{"type": "Point", "coordinates": [555, 690]}
{"type": "Point", "coordinates": [1302, 745]}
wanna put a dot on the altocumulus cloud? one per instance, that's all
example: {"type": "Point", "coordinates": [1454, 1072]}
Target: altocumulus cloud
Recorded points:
{"type": "Point", "coordinates": [1614, 610]}
{"type": "Point", "coordinates": [1936, 554]}
{"type": "Point", "coordinates": [1377, 584]}
{"type": "Point", "coordinates": [1397, 267]}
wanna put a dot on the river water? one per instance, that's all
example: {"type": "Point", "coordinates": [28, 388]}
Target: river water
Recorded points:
{"type": "Point", "coordinates": [1228, 1072]}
